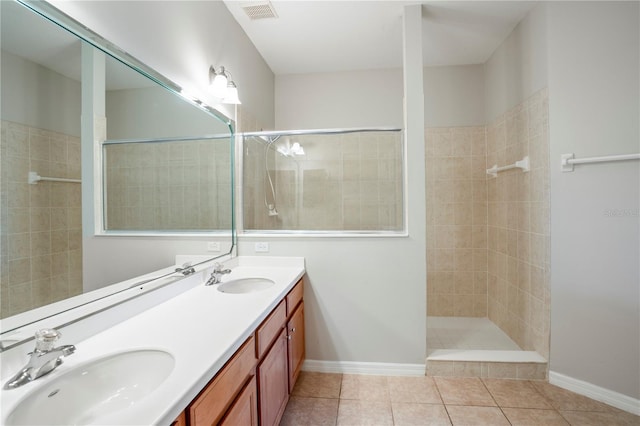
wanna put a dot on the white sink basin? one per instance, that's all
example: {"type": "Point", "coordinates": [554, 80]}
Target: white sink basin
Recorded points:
{"type": "Point", "coordinates": [90, 391]}
{"type": "Point", "coordinates": [245, 285]}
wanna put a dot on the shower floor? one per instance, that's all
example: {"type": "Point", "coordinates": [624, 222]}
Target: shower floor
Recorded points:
{"type": "Point", "coordinates": [466, 333]}
{"type": "Point", "coordinates": [472, 339]}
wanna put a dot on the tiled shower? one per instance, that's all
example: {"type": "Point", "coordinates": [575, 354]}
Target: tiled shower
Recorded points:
{"type": "Point", "coordinates": [323, 181]}
{"type": "Point", "coordinates": [488, 237]}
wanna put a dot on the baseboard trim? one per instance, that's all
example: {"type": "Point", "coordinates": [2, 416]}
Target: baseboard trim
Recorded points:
{"type": "Point", "coordinates": [618, 400]}
{"type": "Point", "coordinates": [371, 368]}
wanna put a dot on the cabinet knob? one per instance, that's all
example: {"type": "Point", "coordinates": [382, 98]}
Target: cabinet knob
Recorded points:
{"type": "Point", "coordinates": [293, 330]}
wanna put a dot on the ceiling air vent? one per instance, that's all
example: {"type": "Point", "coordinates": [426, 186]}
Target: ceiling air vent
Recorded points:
{"type": "Point", "coordinates": [259, 10]}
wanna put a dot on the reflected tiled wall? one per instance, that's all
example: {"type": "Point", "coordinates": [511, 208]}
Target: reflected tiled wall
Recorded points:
{"type": "Point", "coordinates": [347, 181]}
{"type": "Point", "coordinates": [41, 225]}
{"type": "Point", "coordinates": [518, 219]}
{"type": "Point", "coordinates": [456, 192]}
{"type": "Point", "coordinates": [169, 186]}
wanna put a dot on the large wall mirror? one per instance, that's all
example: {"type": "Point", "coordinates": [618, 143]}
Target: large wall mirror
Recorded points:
{"type": "Point", "coordinates": [165, 167]}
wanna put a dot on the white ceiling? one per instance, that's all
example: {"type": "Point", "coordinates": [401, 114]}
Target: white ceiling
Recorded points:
{"type": "Point", "coordinates": [327, 36]}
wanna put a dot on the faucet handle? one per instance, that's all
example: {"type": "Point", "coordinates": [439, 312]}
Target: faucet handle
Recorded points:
{"type": "Point", "coordinates": [46, 339]}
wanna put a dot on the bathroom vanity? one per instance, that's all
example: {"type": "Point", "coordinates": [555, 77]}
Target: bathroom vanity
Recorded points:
{"type": "Point", "coordinates": [256, 382]}
{"type": "Point", "coordinates": [220, 354]}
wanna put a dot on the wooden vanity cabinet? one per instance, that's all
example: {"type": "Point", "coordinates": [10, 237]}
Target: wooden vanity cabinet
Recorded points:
{"type": "Point", "coordinates": [254, 386]}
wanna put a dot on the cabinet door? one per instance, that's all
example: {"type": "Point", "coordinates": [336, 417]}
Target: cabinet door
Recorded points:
{"type": "Point", "coordinates": [244, 410]}
{"type": "Point", "coordinates": [273, 382]}
{"type": "Point", "coordinates": [295, 331]}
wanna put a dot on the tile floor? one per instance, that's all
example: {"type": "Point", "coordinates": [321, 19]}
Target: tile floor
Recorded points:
{"type": "Point", "coordinates": [337, 399]}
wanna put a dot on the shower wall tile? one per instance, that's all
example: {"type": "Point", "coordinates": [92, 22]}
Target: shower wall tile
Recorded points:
{"type": "Point", "coordinates": [518, 225]}
{"type": "Point", "coordinates": [517, 371]}
{"type": "Point", "coordinates": [346, 182]}
{"type": "Point", "coordinates": [457, 215]}
{"type": "Point", "coordinates": [36, 220]}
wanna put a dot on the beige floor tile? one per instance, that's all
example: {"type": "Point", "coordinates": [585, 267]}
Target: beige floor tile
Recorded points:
{"type": "Point", "coordinates": [353, 412]}
{"type": "Point", "coordinates": [365, 388]}
{"type": "Point", "coordinates": [534, 417]}
{"type": "Point", "coordinates": [411, 414]}
{"type": "Point", "coordinates": [310, 412]}
{"type": "Point", "coordinates": [463, 391]}
{"type": "Point", "coordinates": [611, 418]}
{"type": "Point", "coordinates": [515, 393]}
{"type": "Point", "coordinates": [562, 399]}
{"type": "Point", "coordinates": [318, 385]}
{"type": "Point", "coordinates": [476, 416]}
{"type": "Point", "coordinates": [413, 389]}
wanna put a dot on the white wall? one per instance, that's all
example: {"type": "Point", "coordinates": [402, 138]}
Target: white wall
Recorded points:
{"type": "Point", "coordinates": [39, 97]}
{"type": "Point", "coordinates": [454, 96]}
{"type": "Point", "coordinates": [370, 98]}
{"type": "Point", "coordinates": [518, 68]}
{"type": "Point", "coordinates": [594, 110]}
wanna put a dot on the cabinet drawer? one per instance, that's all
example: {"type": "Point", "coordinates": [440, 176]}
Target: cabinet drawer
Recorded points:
{"type": "Point", "coordinates": [213, 401]}
{"type": "Point", "coordinates": [270, 328]}
{"type": "Point", "coordinates": [294, 297]}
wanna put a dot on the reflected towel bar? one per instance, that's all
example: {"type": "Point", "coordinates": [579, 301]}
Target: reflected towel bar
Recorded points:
{"type": "Point", "coordinates": [567, 161]}
{"type": "Point", "coordinates": [34, 178]}
{"type": "Point", "coordinates": [522, 164]}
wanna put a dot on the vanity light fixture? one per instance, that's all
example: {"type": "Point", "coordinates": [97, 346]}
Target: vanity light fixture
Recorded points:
{"type": "Point", "coordinates": [222, 86]}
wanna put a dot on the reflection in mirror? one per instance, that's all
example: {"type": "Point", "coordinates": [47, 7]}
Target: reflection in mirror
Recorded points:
{"type": "Point", "coordinates": [139, 108]}
{"type": "Point", "coordinates": [168, 185]}
{"type": "Point", "coordinates": [41, 225]}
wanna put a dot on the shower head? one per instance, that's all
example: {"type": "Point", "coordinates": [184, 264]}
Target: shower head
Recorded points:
{"type": "Point", "coordinates": [272, 210]}
{"type": "Point", "coordinates": [269, 139]}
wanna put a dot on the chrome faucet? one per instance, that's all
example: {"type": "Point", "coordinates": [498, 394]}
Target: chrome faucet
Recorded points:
{"type": "Point", "coordinates": [44, 359]}
{"type": "Point", "coordinates": [186, 269]}
{"type": "Point", "coordinates": [216, 274]}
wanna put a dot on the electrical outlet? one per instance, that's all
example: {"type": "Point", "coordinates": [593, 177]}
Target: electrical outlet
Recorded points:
{"type": "Point", "coordinates": [213, 246]}
{"type": "Point", "coordinates": [261, 247]}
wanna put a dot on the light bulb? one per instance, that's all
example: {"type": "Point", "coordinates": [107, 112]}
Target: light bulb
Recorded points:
{"type": "Point", "coordinates": [231, 96]}
{"type": "Point", "coordinates": [219, 86]}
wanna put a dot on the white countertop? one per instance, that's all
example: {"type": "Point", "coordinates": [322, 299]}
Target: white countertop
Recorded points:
{"type": "Point", "coordinates": [202, 328]}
